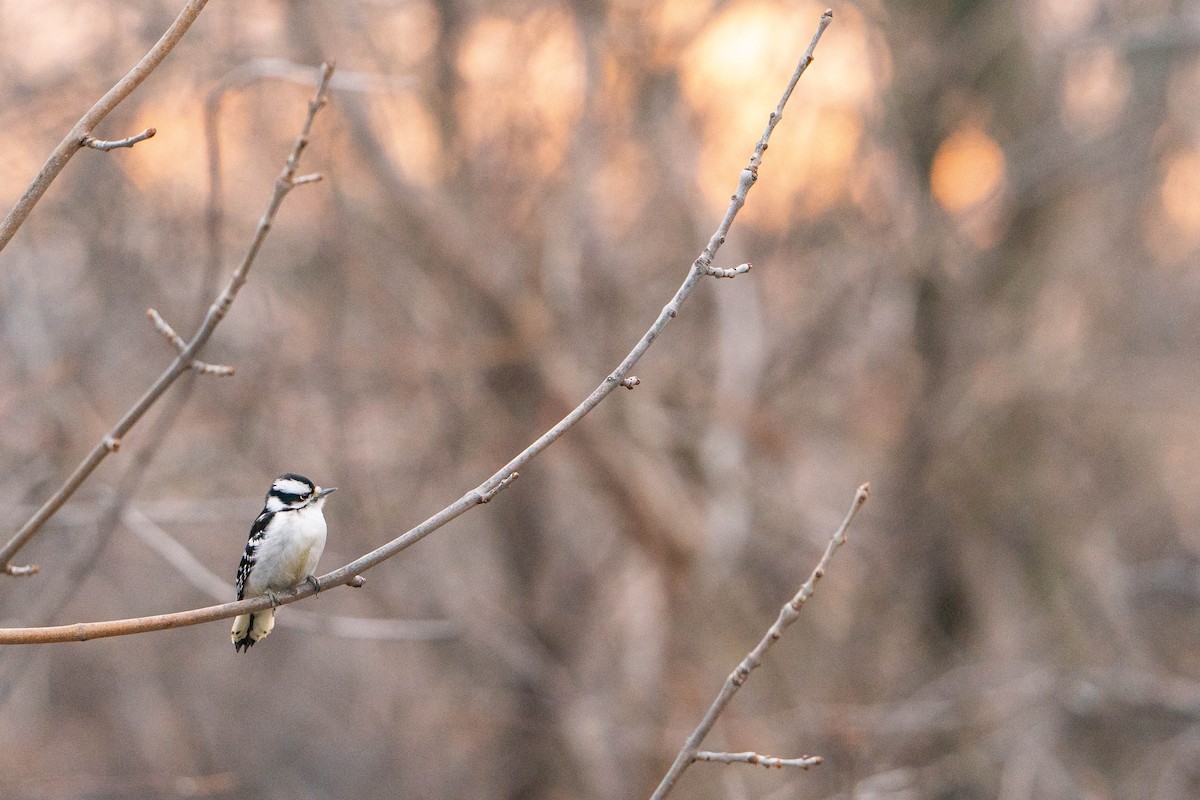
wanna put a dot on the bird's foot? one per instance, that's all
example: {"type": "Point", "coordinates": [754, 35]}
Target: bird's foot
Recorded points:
{"type": "Point", "coordinates": [316, 583]}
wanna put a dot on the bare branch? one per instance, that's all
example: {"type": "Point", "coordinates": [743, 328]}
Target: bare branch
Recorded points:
{"type": "Point", "coordinates": [185, 361]}
{"type": "Point", "coordinates": [728, 272]}
{"type": "Point", "coordinates": [350, 573]}
{"type": "Point", "coordinates": [631, 381]}
{"type": "Point", "coordinates": [787, 615]}
{"type": "Point", "coordinates": [804, 762]}
{"type": "Point", "coordinates": [130, 141]}
{"type": "Point", "coordinates": [487, 496]}
{"type": "Point", "coordinates": [83, 129]}
{"type": "Point", "coordinates": [202, 578]}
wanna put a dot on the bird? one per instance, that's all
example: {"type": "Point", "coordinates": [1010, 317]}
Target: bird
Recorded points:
{"type": "Point", "coordinates": [285, 544]}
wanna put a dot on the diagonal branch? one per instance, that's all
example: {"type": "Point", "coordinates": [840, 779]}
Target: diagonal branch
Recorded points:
{"type": "Point", "coordinates": [787, 615]}
{"type": "Point", "coordinates": [79, 135]}
{"type": "Point", "coordinates": [349, 574]}
{"type": "Point", "coordinates": [185, 361]}
{"type": "Point", "coordinates": [205, 580]}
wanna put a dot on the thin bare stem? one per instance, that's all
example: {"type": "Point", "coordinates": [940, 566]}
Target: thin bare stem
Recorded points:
{"type": "Point", "coordinates": [804, 762]}
{"type": "Point", "coordinates": [129, 141]}
{"type": "Point", "coordinates": [76, 138]}
{"type": "Point", "coordinates": [163, 327]}
{"type": "Point", "coordinates": [186, 360]}
{"type": "Point", "coordinates": [728, 272]}
{"type": "Point", "coordinates": [787, 615]}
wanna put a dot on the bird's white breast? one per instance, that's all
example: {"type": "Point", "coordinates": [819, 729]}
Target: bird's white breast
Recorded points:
{"type": "Point", "coordinates": [289, 552]}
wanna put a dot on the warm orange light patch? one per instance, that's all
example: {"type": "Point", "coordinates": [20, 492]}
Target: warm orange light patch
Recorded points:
{"type": "Point", "coordinates": [406, 32]}
{"type": "Point", "coordinates": [409, 135]}
{"type": "Point", "coordinates": [174, 158]}
{"type": "Point", "coordinates": [1180, 193]}
{"type": "Point", "coordinates": [968, 168]}
{"type": "Point", "coordinates": [733, 75]}
{"type": "Point", "coordinates": [58, 35]}
{"type": "Point", "coordinates": [522, 87]}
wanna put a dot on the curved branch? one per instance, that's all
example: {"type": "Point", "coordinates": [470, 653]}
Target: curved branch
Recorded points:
{"type": "Point", "coordinates": [186, 359]}
{"type": "Point", "coordinates": [490, 487]}
{"type": "Point", "coordinates": [80, 135]}
{"type": "Point", "coordinates": [203, 579]}
{"type": "Point", "coordinates": [787, 615]}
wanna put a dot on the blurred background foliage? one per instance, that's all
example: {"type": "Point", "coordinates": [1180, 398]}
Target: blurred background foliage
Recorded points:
{"type": "Point", "coordinates": [975, 241]}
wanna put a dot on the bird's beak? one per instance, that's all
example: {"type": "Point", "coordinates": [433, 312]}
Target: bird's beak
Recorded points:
{"type": "Point", "coordinates": [322, 492]}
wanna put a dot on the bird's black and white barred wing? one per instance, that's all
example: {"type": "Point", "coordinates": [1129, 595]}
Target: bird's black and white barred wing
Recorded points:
{"type": "Point", "coordinates": [257, 532]}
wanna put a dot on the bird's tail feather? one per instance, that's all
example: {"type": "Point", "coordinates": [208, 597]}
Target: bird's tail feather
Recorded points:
{"type": "Point", "coordinates": [250, 628]}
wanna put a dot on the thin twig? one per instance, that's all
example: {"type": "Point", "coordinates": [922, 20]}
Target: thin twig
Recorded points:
{"type": "Point", "coordinates": [728, 272]}
{"type": "Point", "coordinates": [129, 141]}
{"type": "Point", "coordinates": [804, 762]}
{"type": "Point", "coordinates": [350, 573]}
{"type": "Point", "coordinates": [74, 140]}
{"type": "Point", "coordinates": [787, 615]}
{"type": "Point", "coordinates": [186, 358]}
{"type": "Point", "coordinates": [202, 367]}
{"type": "Point", "coordinates": [163, 327]}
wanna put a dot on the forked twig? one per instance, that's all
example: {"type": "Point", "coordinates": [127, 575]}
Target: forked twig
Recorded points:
{"type": "Point", "coordinates": [787, 615]}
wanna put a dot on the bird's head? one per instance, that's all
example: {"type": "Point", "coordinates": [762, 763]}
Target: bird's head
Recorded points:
{"type": "Point", "coordinates": [291, 492]}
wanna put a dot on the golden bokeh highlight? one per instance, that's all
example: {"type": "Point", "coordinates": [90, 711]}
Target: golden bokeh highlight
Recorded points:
{"type": "Point", "coordinates": [523, 86]}
{"type": "Point", "coordinates": [1179, 194]}
{"type": "Point", "coordinates": [409, 134]}
{"type": "Point", "coordinates": [59, 36]}
{"type": "Point", "coordinates": [731, 75]}
{"type": "Point", "coordinates": [174, 159]}
{"type": "Point", "coordinates": [967, 169]}
{"type": "Point", "coordinates": [407, 33]}
{"type": "Point", "coordinates": [674, 19]}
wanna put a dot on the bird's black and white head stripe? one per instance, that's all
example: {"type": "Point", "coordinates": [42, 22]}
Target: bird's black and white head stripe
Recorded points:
{"type": "Point", "coordinates": [289, 491]}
